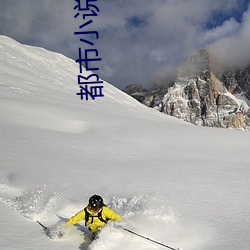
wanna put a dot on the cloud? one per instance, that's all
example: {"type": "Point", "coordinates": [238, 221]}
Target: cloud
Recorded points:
{"type": "Point", "coordinates": [44, 23]}
{"type": "Point", "coordinates": [233, 49]}
{"type": "Point", "coordinates": [228, 28]}
{"type": "Point", "coordinates": [140, 41]}
{"type": "Point", "coordinates": [171, 31]}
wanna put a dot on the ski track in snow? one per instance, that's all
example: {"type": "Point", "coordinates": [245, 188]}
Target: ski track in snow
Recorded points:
{"type": "Point", "coordinates": [145, 214]}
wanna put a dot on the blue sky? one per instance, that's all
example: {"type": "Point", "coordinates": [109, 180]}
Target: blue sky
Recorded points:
{"type": "Point", "coordinates": [140, 41]}
{"type": "Point", "coordinates": [218, 17]}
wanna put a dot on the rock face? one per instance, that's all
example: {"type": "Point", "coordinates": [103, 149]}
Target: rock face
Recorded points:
{"type": "Point", "coordinates": [237, 81]}
{"type": "Point", "coordinates": [137, 91]}
{"type": "Point", "coordinates": [201, 97]}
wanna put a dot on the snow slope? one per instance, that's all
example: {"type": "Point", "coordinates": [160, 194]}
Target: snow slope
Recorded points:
{"type": "Point", "coordinates": [176, 183]}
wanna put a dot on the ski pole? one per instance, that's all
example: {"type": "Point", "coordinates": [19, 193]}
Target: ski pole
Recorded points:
{"type": "Point", "coordinates": [146, 238]}
{"type": "Point", "coordinates": [45, 228]}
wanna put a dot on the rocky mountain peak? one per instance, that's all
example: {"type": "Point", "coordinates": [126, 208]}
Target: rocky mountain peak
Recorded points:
{"type": "Point", "coordinates": [196, 64]}
{"type": "Point", "coordinates": [202, 97]}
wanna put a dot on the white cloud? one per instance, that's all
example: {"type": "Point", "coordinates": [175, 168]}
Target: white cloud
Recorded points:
{"type": "Point", "coordinates": [228, 28]}
{"type": "Point", "coordinates": [170, 31]}
{"type": "Point", "coordinates": [233, 50]}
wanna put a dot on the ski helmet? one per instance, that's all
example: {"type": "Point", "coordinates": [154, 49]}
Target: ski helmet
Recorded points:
{"type": "Point", "coordinates": [95, 202]}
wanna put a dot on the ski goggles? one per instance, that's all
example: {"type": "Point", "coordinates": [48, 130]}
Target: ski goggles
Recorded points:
{"type": "Point", "coordinates": [94, 208]}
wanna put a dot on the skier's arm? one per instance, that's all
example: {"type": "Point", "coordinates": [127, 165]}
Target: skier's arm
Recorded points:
{"type": "Point", "coordinates": [110, 214]}
{"type": "Point", "coordinates": [77, 217]}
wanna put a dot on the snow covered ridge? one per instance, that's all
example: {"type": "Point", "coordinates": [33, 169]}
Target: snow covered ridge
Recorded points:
{"type": "Point", "coordinates": [200, 97]}
{"type": "Point", "coordinates": [37, 69]}
{"type": "Point", "coordinates": [35, 73]}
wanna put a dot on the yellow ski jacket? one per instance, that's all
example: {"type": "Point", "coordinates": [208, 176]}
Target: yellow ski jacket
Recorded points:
{"type": "Point", "coordinates": [94, 223]}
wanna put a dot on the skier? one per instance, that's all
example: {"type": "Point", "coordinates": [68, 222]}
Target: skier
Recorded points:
{"type": "Point", "coordinates": [95, 214]}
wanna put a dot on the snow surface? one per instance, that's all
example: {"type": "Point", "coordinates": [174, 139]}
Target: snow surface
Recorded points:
{"type": "Point", "coordinates": [182, 185]}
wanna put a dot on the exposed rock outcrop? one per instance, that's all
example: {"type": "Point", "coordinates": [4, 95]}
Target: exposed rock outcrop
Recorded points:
{"type": "Point", "coordinates": [201, 97]}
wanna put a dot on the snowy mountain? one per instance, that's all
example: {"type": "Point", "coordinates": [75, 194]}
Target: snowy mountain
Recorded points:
{"type": "Point", "coordinates": [201, 95]}
{"type": "Point", "coordinates": [182, 185]}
